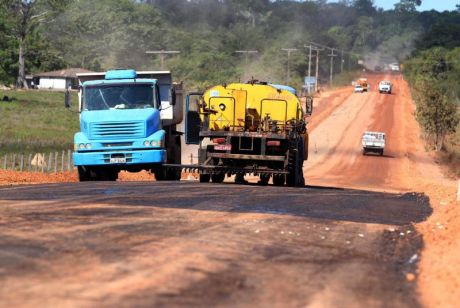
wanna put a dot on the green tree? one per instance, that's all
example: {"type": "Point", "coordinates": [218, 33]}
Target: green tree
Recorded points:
{"type": "Point", "coordinates": [25, 17]}
{"type": "Point", "coordinates": [407, 5]}
{"type": "Point", "coordinates": [436, 110]}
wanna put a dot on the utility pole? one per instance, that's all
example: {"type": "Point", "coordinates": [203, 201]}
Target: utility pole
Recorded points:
{"type": "Point", "coordinates": [317, 70]}
{"type": "Point", "coordinates": [313, 47]}
{"type": "Point", "coordinates": [246, 54]}
{"type": "Point", "coordinates": [341, 61]}
{"type": "Point", "coordinates": [288, 50]}
{"type": "Point", "coordinates": [332, 55]}
{"type": "Point", "coordinates": [309, 61]}
{"type": "Point", "coordinates": [162, 54]}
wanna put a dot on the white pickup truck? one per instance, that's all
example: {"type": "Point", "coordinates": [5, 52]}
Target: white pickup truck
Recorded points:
{"type": "Point", "coordinates": [385, 87]}
{"type": "Point", "coordinates": [373, 142]}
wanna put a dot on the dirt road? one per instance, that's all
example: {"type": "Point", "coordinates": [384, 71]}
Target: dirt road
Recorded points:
{"type": "Point", "coordinates": [347, 239]}
{"type": "Point", "coordinates": [144, 244]}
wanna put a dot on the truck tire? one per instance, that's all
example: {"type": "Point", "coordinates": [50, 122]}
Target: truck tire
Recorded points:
{"type": "Point", "coordinates": [279, 179]}
{"type": "Point", "coordinates": [83, 174]}
{"type": "Point", "coordinates": [205, 178]}
{"type": "Point", "coordinates": [264, 178]}
{"type": "Point", "coordinates": [218, 177]}
{"type": "Point", "coordinates": [174, 157]}
{"type": "Point", "coordinates": [295, 177]}
{"type": "Point", "coordinates": [165, 174]}
{"type": "Point", "coordinates": [173, 152]}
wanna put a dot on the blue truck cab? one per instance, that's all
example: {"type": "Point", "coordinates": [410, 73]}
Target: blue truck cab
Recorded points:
{"type": "Point", "coordinates": [127, 122]}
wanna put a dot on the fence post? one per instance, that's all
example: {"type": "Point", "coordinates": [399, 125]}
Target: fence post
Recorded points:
{"type": "Point", "coordinates": [69, 153]}
{"type": "Point", "coordinates": [62, 160]}
{"type": "Point", "coordinates": [48, 168]}
{"type": "Point", "coordinates": [22, 163]}
{"type": "Point", "coordinates": [55, 161]}
{"type": "Point", "coordinates": [29, 163]}
{"type": "Point", "coordinates": [4, 161]}
{"type": "Point", "coordinates": [43, 162]}
{"type": "Point", "coordinates": [14, 162]}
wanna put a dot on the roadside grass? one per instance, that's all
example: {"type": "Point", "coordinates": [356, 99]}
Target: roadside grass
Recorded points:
{"type": "Point", "coordinates": [34, 121]}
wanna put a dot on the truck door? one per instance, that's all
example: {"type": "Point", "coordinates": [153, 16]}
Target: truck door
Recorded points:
{"type": "Point", "coordinates": [192, 118]}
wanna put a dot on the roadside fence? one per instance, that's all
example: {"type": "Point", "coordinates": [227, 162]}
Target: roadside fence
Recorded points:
{"type": "Point", "coordinates": [39, 162]}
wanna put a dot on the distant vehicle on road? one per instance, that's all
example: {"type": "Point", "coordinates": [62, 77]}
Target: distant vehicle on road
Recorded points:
{"type": "Point", "coordinates": [385, 86]}
{"type": "Point", "coordinates": [364, 84]}
{"type": "Point", "coordinates": [394, 67]}
{"type": "Point", "coordinates": [373, 142]}
{"type": "Point", "coordinates": [359, 89]}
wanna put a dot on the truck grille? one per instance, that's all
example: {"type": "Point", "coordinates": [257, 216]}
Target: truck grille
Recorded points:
{"type": "Point", "coordinates": [112, 130]}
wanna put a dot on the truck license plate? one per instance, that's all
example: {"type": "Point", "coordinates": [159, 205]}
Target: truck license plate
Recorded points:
{"type": "Point", "coordinates": [118, 160]}
{"type": "Point", "coordinates": [223, 147]}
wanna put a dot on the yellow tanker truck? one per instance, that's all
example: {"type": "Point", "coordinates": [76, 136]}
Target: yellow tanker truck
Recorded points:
{"type": "Point", "coordinates": [249, 128]}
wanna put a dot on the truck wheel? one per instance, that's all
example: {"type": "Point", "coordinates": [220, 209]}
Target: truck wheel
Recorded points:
{"type": "Point", "coordinates": [173, 175]}
{"type": "Point", "coordinates": [167, 174]}
{"type": "Point", "coordinates": [83, 174]}
{"type": "Point", "coordinates": [218, 178]}
{"type": "Point", "coordinates": [160, 174]}
{"type": "Point", "coordinates": [295, 177]}
{"type": "Point", "coordinates": [264, 178]}
{"type": "Point", "coordinates": [279, 179]}
{"type": "Point", "coordinates": [205, 178]}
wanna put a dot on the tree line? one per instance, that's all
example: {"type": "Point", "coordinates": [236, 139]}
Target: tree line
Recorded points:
{"type": "Point", "coordinates": [43, 35]}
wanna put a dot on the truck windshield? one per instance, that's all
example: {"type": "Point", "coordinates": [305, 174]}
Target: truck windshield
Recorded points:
{"type": "Point", "coordinates": [125, 96]}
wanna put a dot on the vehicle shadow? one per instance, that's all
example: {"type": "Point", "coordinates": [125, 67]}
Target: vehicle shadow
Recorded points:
{"type": "Point", "coordinates": [118, 199]}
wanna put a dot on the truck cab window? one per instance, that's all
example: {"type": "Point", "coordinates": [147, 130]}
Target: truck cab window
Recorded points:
{"type": "Point", "coordinates": [126, 96]}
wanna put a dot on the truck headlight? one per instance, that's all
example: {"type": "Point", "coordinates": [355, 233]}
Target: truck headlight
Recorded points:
{"type": "Point", "coordinates": [81, 146]}
{"type": "Point", "coordinates": [153, 143]}
{"type": "Point", "coordinates": [88, 146]}
{"type": "Point", "coordinates": [146, 143]}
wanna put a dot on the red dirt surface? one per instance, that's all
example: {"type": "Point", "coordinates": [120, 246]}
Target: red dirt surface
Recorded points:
{"type": "Point", "coordinates": [336, 160]}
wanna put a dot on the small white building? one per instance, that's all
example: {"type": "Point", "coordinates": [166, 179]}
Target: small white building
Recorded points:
{"type": "Point", "coordinates": [59, 80]}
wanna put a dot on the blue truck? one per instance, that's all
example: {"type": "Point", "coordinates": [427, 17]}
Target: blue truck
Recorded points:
{"type": "Point", "coordinates": [128, 122]}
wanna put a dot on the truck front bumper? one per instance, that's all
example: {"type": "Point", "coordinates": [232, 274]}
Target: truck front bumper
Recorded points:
{"type": "Point", "coordinates": [119, 157]}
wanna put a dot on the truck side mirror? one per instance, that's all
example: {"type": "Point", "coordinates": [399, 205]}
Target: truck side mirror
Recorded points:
{"type": "Point", "coordinates": [309, 105]}
{"type": "Point", "coordinates": [67, 98]}
{"type": "Point", "coordinates": [172, 96]}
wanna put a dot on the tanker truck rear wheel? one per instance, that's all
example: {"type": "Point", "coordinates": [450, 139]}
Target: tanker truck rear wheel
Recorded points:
{"type": "Point", "coordinates": [264, 178]}
{"type": "Point", "coordinates": [205, 178]}
{"type": "Point", "coordinates": [279, 179]}
{"type": "Point", "coordinates": [218, 178]}
{"type": "Point", "coordinates": [295, 177]}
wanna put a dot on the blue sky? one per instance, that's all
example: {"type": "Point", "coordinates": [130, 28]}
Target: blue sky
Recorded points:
{"type": "Point", "coordinates": [427, 5]}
